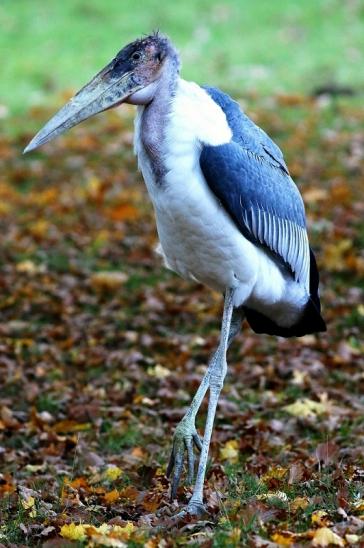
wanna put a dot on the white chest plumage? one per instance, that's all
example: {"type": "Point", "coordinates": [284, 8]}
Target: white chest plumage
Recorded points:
{"type": "Point", "coordinates": [198, 238]}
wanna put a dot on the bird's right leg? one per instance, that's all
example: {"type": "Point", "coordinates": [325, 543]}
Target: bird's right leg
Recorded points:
{"type": "Point", "coordinates": [185, 436]}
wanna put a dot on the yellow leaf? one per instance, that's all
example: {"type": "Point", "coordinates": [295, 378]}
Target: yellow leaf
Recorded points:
{"type": "Point", "coordinates": [334, 253]}
{"type": "Point", "coordinates": [73, 531]}
{"type": "Point", "coordinates": [299, 503]}
{"type": "Point", "coordinates": [234, 536]}
{"type": "Point", "coordinates": [39, 228]}
{"type": "Point", "coordinates": [123, 532]}
{"type": "Point", "coordinates": [94, 187]}
{"type": "Point", "coordinates": [28, 503]}
{"type": "Point", "coordinates": [112, 473]}
{"type": "Point", "coordinates": [158, 371]}
{"type": "Point", "coordinates": [108, 281]}
{"type": "Point", "coordinates": [320, 517]}
{"type": "Point", "coordinates": [352, 539]}
{"type": "Point", "coordinates": [359, 505]}
{"type": "Point", "coordinates": [110, 535]}
{"type": "Point", "coordinates": [104, 540]}
{"type": "Point", "coordinates": [324, 537]}
{"type": "Point", "coordinates": [276, 472]}
{"type": "Point", "coordinates": [285, 538]}
{"type": "Point", "coordinates": [230, 451]}
{"type": "Point", "coordinates": [305, 408]}
{"type": "Point", "coordinates": [70, 426]}
{"type": "Point", "coordinates": [35, 467]}
{"type": "Point", "coordinates": [28, 267]}
{"type": "Point", "coordinates": [103, 529]}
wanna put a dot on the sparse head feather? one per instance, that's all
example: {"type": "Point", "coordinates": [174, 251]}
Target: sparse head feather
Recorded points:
{"type": "Point", "coordinates": [148, 55]}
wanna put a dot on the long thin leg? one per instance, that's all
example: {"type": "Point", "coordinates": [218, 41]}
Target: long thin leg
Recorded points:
{"type": "Point", "coordinates": [185, 435]}
{"type": "Point", "coordinates": [216, 382]}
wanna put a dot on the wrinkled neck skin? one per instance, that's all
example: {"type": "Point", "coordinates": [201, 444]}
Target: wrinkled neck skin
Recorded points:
{"type": "Point", "coordinates": [154, 118]}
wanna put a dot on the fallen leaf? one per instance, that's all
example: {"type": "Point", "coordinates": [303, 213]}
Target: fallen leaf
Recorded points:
{"type": "Point", "coordinates": [112, 473]}
{"type": "Point", "coordinates": [281, 495]}
{"type": "Point", "coordinates": [70, 426]}
{"type": "Point", "coordinates": [158, 371]}
{"type": "Point", "coordinates": [315, 194]}
{"type": "Point", "coordinates": [299, 503]}
{"type": "Point", "coordinates": [275, 472]}
{"type": "Point", "coordinates": [125, 531]}
{"type": "Point", "coordinates": [47, 531]}
{"type": "Point", "coordinates": [321, 518]}
{"type": "Point", "coordinates": [230, 451]}
{"type": "Point", "coordinates": [73, 531]}
{"type": "Point", "coordinates": [324, 537]}
{"type": "Point", "coordinates": [296, 473]}
{"type": "Point", "coordinates": [334, 255]}
{"type": "Point", "coordinates": [111, 496]}
{"type": "Point", "coordinates": [108, 281]}
{"type": "Point", "coordinates": [28, 267]}
{"type": "Point", "coordinates": [305, 408]}
{"type": "Point", "coordinates": [352, 539]}
{"type": "Point", "coordinates": [327, 452]}
{"type": "Point", "coordinates": [28, 503]}
{"type": "Point", "coordinates": [123, 212]}
{"type": "Point", "coordinates": [284, 538]}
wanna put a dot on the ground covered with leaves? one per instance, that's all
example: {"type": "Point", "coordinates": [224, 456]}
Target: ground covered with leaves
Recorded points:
{"type": "Point", "coordinates": [101, 350]}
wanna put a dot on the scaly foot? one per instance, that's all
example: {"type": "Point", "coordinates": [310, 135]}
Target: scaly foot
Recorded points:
{"type": "Point", "coordinates": [194, 509]}
{"type": "Point", "coordinates": [184, 439]}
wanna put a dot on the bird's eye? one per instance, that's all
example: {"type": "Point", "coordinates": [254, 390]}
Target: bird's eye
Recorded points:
{"type": "Point", "coordinates": [136, 56]}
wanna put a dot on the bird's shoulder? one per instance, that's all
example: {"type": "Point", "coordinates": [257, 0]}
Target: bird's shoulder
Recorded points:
{"type": "Point", "coordinates": [196, 117]}
{"type": "Point", "coordinates": [245, 132]}
{"type": "Point", "coordinates": [250, 179]}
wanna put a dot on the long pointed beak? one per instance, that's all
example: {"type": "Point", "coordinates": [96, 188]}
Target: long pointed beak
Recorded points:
{"type": "Point", "coordinates": [107, 89]}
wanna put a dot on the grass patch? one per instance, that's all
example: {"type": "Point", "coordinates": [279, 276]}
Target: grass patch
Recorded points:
{"type": "Point", "coordinates": [265, 46]}
{"type": "Point", "coordinates": [114, 438]}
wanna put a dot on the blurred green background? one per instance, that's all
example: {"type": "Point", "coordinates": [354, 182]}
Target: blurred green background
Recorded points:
{"type": "Point", "coordinates": [263, 46]}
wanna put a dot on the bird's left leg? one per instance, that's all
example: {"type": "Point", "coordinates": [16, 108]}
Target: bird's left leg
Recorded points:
{"type": "Point", "coordinates": [186, 436]}
{"type": "Point", "coordinates": [215, 379]}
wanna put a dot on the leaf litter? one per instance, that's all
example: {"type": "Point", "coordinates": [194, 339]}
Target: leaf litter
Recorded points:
{"type": "Point", "coordinates": [101, 350]}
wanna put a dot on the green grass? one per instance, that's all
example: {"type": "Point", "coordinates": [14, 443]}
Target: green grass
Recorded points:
{"type": "Point", "coordinates": [255, 46]}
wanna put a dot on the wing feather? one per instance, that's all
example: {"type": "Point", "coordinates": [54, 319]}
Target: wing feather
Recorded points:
{"type": "Point", "coordinates": [263, 201]}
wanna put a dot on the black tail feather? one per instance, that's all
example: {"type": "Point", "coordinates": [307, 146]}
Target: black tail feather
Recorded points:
{"type": "Point", "coordinates": [311, 320]}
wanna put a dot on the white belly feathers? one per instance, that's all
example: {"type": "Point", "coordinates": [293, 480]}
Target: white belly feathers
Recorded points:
{"type": "Point", "coordinates": [198, 238]}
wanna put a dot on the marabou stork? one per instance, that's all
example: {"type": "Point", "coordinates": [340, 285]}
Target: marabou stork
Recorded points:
{"type": "Point", "coordinates": [228, 213]}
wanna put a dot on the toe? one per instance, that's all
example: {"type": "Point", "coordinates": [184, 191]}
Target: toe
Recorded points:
{"type": "Point", "coordinates": [178, 465]}
{"type": "Point", "coordinates": [197, 440]}
{"type": "Point", "coordinates": [170, 463]}
{"type": "Point", "coordinates": [190, 460]}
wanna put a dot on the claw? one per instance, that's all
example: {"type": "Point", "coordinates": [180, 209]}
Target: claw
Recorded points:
{"type": "Point", "coordinates": [184, 439]}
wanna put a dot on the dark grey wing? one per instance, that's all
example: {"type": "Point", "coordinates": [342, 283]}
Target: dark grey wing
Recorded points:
{"type": "Point", "coordinates": [263, 201]}
{"type": "Point", "coordinates": [245, 132]}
